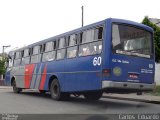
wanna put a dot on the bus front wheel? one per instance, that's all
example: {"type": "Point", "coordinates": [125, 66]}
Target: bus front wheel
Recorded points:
{"type": "Point", "coordinates": [94, 95]}
{"type": "Point", "coordinates": [15, 88]}
{"type": "Point", "coordinates": [56, 93]}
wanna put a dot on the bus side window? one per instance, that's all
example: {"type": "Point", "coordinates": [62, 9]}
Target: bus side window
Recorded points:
{"type": "Point", "coordinates": [10, 60]}
{"type": "Point", "coordinates": [61, 43]}
{"type": "Point", "coordinates": [72, 49]}
{"type": "Point", "coordinates": [61, 48]}
{"type": "Point", "coordinates": [61, 54]}
{"type": "Point", "coordinates": [96, 47]}
{"type": "Point", "coordinates": [90, 48]}
{"type": "Point", "coordinates": [100, 33]}
{"type": "Point", "coordinates": [36, 54]}
{"type": "Point", "coordinates": [54, 44]}
{"type": "Point", "coordinates": [25, 57]}
{"type": "Point", "coordinates": [87, 36]}
{"type": "Point", "coordinates": [36, 50]}
{"type": "Point", "coordinates": [49, 54]}
{"type": "Point", "coordinates": [91, 42]}
{"type": "Point", "coordinates": [17, 60]}
{"type": "Point", "coordinates": [48, 46]}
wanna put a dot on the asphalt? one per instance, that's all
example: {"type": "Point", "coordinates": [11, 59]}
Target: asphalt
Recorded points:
{"type": "Point", "coordinates": [148, 98]}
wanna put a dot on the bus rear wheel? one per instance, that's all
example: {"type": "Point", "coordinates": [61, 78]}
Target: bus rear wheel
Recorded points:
{"type": "Point", "coordinates": [93, 95]}
{"type": "Point", "coordinates": [15, 88]}
{"type": "Point", "coordinates": [56, 93]}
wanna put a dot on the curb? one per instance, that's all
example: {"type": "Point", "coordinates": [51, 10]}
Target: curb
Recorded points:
{"type": "Point", "coordinates": [132, 99]}
{"type": "Point", "coordinates": [5, 87]}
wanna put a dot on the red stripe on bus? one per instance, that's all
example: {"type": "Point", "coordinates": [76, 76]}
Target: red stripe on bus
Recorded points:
{"type": "Point", "coordinates": [43, 79]}
{"type": "Point", "coordinates": [28, 75]}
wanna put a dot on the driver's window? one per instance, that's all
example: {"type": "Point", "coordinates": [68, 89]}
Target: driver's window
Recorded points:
{"type": "Point", "coordinates": [10, 62]}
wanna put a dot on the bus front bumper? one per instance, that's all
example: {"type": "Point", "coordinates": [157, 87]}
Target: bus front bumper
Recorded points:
{"type": "Point", "coordinates": [128, 85]}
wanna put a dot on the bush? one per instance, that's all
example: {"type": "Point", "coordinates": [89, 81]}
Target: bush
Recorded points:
{"type": "Point", "coordinates": [156, 37]}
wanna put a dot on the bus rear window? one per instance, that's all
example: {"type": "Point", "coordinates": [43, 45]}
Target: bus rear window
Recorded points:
{"type": "Point", "coordinates": [131, 41]}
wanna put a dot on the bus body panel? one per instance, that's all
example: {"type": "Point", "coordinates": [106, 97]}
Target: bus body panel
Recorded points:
{"type": "Point", "coordinates": [8, 77]}
{"type": "Point", "coordinates": [18, 73]}
{"type": "Point", "coordinates": [82, 74]}
{"type": "Point", "coordinates": [132, 69]}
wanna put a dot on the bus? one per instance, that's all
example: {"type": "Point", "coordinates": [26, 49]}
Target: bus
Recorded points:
{"type": "Point", "coordinates": [111, 56]}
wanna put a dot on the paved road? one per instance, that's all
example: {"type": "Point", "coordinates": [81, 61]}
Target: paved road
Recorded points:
{"type": "Point", "coordinates": [34, 102]}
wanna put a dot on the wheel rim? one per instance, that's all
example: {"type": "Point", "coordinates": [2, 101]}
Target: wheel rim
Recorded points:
{"type": "Point", "coordinates": [55, 90]}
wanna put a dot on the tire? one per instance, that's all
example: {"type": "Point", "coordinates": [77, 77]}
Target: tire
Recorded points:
{"type": "Point", "coordinates": [15, 88]}
{"type": "Point", "coordinates": [56, 93]}
{"type": "Point", "coordinates": [94, 95]}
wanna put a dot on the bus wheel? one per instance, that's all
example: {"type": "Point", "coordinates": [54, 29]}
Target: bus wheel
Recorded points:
{"type": "Point", "coordinates": [15, 89]}
{"type": "Point", "coordinates": [56, 93]}
{"type": "Point", "coordinates": [94, 95]}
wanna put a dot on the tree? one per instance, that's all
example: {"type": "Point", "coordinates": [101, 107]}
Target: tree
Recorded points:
{"type": "Point", "coordinates": [156, 37]}
{"type": "Point", "coordinates": [2, 66]}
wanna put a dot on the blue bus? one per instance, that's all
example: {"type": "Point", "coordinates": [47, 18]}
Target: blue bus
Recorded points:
{"type": "Point", "coordinates": [112, 55]}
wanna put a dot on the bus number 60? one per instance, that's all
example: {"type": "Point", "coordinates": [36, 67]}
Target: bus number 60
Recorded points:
{"type": "Point", "coordinates": [97, 61]}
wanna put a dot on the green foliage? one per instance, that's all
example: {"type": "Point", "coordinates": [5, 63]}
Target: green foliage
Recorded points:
{"type": "Point", "coordinates": [156, 37]}
{"type": "Point", "coordinates": [2, 66]}
{"type": "Point", "coordinates": [156, 90]}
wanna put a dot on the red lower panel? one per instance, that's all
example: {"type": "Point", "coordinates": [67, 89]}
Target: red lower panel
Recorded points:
{"type": "Point", "coordinates": [28, 75]}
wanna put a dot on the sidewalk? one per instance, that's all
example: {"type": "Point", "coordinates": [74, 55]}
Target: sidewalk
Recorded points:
{"type": "Point", "coordinates": [133, 97]}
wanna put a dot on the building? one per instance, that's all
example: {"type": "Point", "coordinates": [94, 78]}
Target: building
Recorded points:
{"type": "Point", "coordinates": [155, 21]}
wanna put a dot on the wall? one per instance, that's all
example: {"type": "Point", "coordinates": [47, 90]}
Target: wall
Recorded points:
{"type": "Point", "coordinates": [157, 74]}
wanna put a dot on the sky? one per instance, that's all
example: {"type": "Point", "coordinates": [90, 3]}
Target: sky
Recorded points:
{"type": "Point", "coordinates": [23, 22]}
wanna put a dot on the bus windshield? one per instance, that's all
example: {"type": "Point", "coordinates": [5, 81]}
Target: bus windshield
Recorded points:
{"type": "Point", "coordinates": [131, 41]}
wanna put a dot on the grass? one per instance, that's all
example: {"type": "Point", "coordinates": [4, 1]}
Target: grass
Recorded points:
{"type": "Point", "coordinates": [156, 91]}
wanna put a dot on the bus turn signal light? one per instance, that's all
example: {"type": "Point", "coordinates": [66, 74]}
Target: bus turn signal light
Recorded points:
{"type": "Point", "coordinates": [106, 72]}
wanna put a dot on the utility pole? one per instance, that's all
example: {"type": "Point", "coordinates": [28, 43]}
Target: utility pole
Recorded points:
{"type": "Point", "coordinates": [4, 46]}
{"type": "Point", "coordinates": [82, 15]}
